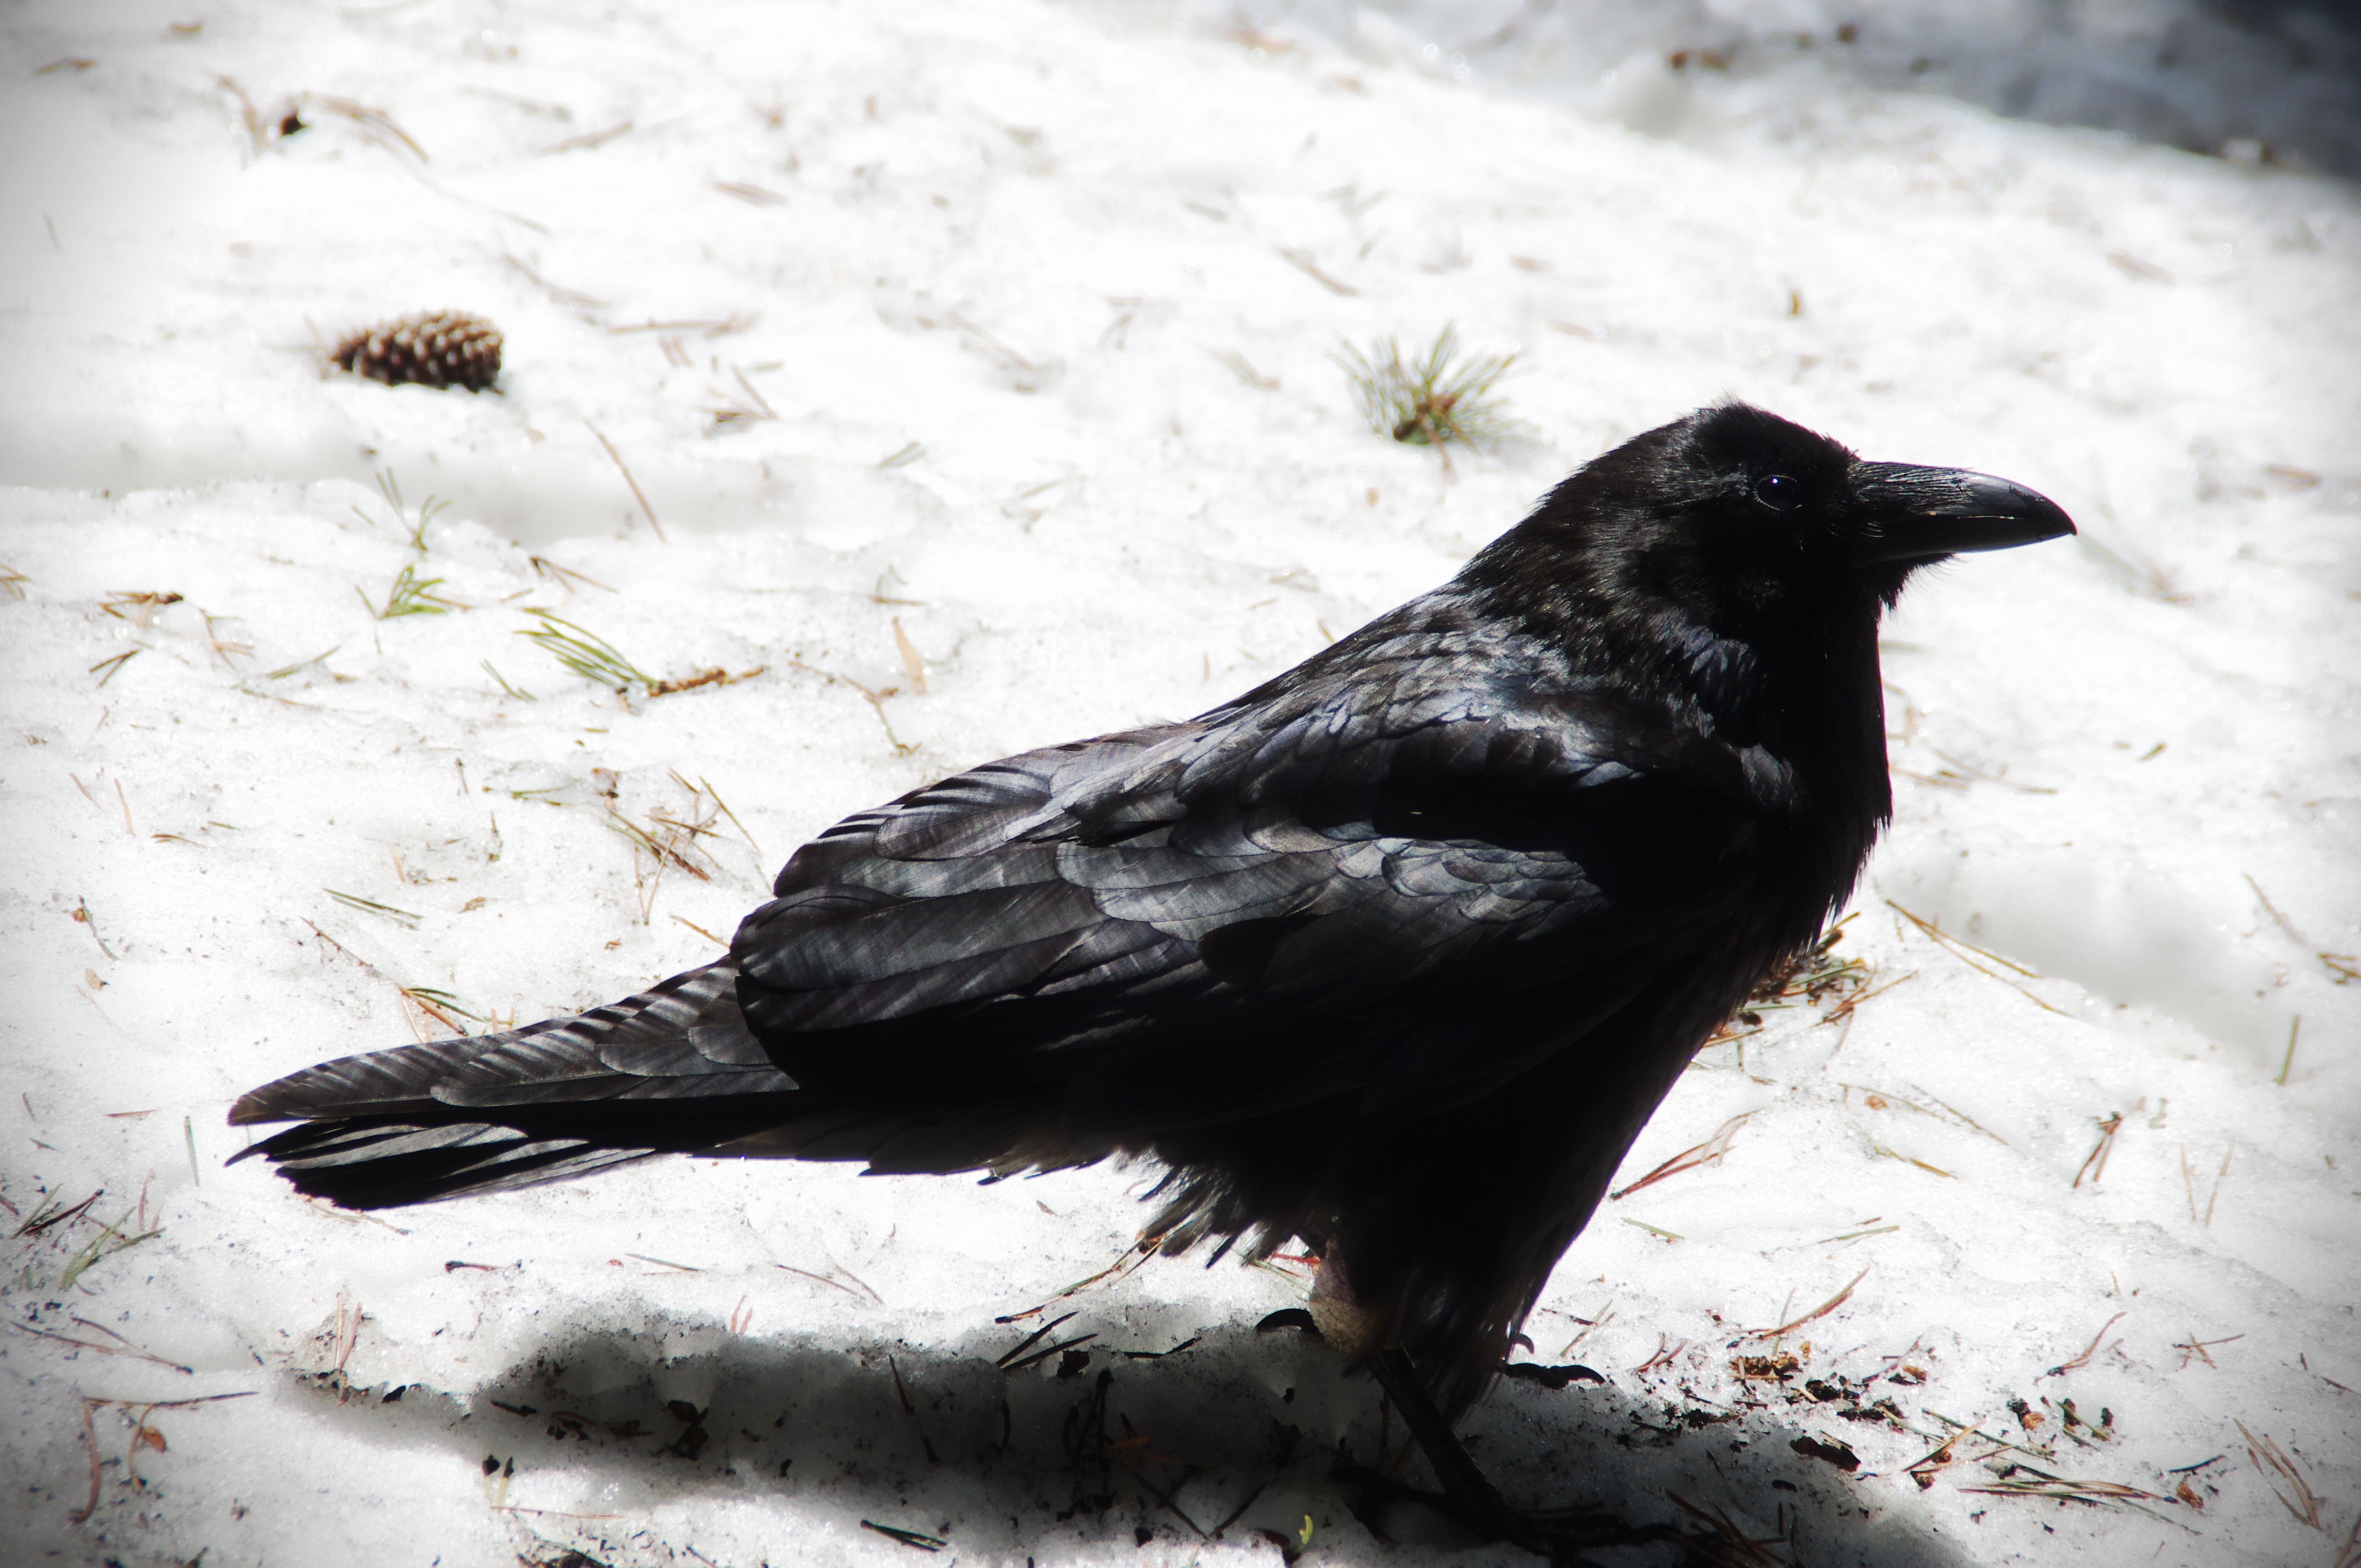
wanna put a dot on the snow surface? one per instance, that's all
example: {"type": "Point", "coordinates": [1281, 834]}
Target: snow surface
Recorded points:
{"type": "Point", "coordinates": [979, 261]}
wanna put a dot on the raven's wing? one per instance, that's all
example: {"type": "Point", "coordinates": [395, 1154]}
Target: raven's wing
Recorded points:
{"type": "Point", "coordinates": [1394, 880]}
{"type": "Point", "coordinates": [1394, 883]}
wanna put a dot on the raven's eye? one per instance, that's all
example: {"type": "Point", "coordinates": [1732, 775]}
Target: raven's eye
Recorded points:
{"type": "Point", "coordinates": [1779, 492]}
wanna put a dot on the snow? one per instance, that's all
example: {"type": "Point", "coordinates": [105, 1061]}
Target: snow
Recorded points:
{"type": "Point", "coordinates": [980, 264]}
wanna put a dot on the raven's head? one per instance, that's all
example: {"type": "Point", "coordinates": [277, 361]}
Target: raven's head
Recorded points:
{"type": "Point", "coordinates": [1751, 479]}
{"type": "Point", "coordinates": [1737, 516]}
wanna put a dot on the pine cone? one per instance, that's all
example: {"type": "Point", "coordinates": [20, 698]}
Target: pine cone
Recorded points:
{"type": "Point", "coordinates": [438, 348]}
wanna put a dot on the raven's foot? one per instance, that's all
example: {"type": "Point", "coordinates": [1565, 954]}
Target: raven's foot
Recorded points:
{"type": "Point", "coordinates": [1473, 1501]}
{"type": "Point", "coordinates": [1559, 1538]}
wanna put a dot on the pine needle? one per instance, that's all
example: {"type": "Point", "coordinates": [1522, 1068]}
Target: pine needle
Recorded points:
{"type": "Point", "coordinates": [585, 653]}
{"type": "Point", "coordinates": [411, 594]}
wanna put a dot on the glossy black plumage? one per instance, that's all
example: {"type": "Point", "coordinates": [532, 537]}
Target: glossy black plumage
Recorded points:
{"type": "Point", "coordinates": [1395, 953]}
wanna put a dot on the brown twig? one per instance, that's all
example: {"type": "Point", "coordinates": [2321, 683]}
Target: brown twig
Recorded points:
{"type": "Point", "coordinates": [90, 1436]}
{"type": "Point", "coordinates": [2193, 1348]}
{"type": "Point", "coordinates": [2108, 1127]}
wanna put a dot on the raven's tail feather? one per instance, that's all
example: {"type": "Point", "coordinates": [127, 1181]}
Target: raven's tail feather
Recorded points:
{"type": "Point", "coordinates": [553, 1100]}
{"type": "Point", "coordinates": [671, 1070]}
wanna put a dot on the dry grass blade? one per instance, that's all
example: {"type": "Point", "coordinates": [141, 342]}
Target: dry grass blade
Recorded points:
{"type": "Point", "coordinates": [2062, 1487]}
{"type": "Point", "coordinates": [1808, 979]}
{"type": "Point", "coordinates": [1705, 1153]}
{"type": "Point", "coordinates": [2349, 1554]}
{"type": "Point", "coordinates": [2274, 1467]}
{"type": "Point", "coordinates": [1122, 1267]}
{"type": "Point", "coordinates": [733, 414]}
{"type": "Point", "coordinates": [506, 689]}
{"type": "Point", "coordinates": [564, 577]}
{"type": "Point", "coordinates": [52, 1212]}
{"type": "Point", "coordinates": [912, 666]}
{"type": "Point", "coordinates": [624, 468]}
{"type": "Point", "coordinates": [374, 124]}
{"type": "Point", "coordinates": [98, 1247]}
{"type": "Point", "coordinates": [1822, 1310]}
{"type": "Point", "coordinates": [702, 932]}
{"type": "Point", "coordinates": [917, 1537]}
{"type": "Point", "coordinates": [2088, 1350]}
{"type": "Point", "coordinates": [1733, 1548]}
{"type": "Point", "coordinates": [1437, 400]}
{"type": "Point", "coordinates": [666, 845]}
{"type": "Point", "coordinates": [711, 326]}
{"type": "Point", "coordinates": [588, 140]}
{"type": "Point", "coordinates": [286, 670]}
{"type": "Point", "coordinates": [372, 907]}
{"type": "Point", "coordinates": [12, 582]}
{"type": "Point", "coordinates": [723, 806]}
{"type": "Point", "coordinates": [1856, 1235]}
{"type": "Point", "coordinates": [876, 700]}
{"type": "Point", "coordinates": [1304, 262]}
{"type": "Point", "coordinates": [137, 606]}
{"type": "Point", "coordinates": [121, 1348]}
{"type": "Point", "coordinates": [81, 913]}
{"type": "Point", "coordinates": [2136, 571]}
{"type": "Point", "coordinates": [1962, 949]}
{"type": "Point", "coordinates": [557, 294]}
{"type": "Point", "coordinates": [1238, 365]}
{"type": "Point", "coordinates": [1666, 1354]}
{"type": "Point", "coordinates": [753, 195]}
{"type": "Point", "coordinates": [438, 1005]}
{"type": "Point", "coordinates": [669, 842]}
{"type": "Point", "coordinates": [413, 529]}
{"type": "Point", "coordinates": [1055, 1347]}
{"type": "Point", "coordinates": [1981, 775]}
{"type": "Point", "coordinates": [1029, 1340]}
{"type": "Point", "coordinates": [112, 665]}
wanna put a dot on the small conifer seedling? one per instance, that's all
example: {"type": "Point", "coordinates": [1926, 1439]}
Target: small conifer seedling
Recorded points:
{"type": "Point", "coordinates": [1437, 399]}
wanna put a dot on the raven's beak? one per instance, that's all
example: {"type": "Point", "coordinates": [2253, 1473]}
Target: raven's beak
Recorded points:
{"type": "Point", "coordinates": [1918, 513]}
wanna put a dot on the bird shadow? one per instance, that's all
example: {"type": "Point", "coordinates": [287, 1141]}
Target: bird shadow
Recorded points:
{"type": "Point", "coordinates": [1003, 1446]}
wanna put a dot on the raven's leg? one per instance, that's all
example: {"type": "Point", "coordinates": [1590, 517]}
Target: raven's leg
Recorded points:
{"type": "Point", "coordinates": [1475, 1500]}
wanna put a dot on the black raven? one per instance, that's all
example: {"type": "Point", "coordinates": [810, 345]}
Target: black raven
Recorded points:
{"type": "Point", "coordinates": [1394, 954]}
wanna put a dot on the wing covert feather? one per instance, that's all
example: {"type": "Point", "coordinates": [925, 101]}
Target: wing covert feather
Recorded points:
{"type": "Point", "coordinates": [1327, 894]}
